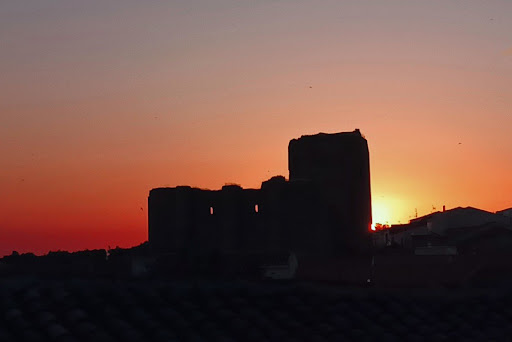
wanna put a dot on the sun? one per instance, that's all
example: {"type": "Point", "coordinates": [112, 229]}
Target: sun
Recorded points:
{"type": "Point", "coordinates": [381, 212]}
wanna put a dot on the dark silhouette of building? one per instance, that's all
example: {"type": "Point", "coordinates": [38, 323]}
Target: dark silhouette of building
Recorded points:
{"type": "Point", "coordinates": [323, 209]}
{"type": "Point", "coordinates": [449, 231]}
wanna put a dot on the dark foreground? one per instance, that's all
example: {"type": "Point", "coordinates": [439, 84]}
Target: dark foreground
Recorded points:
{"type": "Point", "coordinates": [106, 310]}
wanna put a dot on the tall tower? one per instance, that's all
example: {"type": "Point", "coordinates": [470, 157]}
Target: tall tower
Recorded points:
{"type": "Point", "coordinates": [339, 165]}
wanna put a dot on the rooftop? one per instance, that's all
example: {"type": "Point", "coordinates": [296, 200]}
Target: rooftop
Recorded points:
{"type": "Point", "coordinates": [149, 311]}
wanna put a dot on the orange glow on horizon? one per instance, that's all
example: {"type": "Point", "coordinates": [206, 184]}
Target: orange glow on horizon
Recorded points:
{"type": "Point", "coordinates": [99, 106]}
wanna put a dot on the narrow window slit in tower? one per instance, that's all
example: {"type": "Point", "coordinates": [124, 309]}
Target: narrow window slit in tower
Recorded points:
{"type": "Point", "coordinates": [256, 208]}
{"type": "Point", "coordinates": [211, 210]}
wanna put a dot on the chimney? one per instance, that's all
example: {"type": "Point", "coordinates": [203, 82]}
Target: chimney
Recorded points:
{"type": "Point", "coordinates": [444, 208]}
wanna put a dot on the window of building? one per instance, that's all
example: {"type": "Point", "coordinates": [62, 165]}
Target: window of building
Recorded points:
{"type": "Point", "coordinates": [256, 208]}
{"type": "Point", "coordinates": [211, 210]}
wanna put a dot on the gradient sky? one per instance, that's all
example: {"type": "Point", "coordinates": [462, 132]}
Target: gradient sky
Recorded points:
{"type": "Point", "coordinates": [100, 101]}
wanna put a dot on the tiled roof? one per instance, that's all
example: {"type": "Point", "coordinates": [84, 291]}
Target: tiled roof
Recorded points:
{"type": "Point", "coordinates": [149, 311]}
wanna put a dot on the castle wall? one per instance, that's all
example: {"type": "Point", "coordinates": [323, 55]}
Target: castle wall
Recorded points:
{"type": "Point", "coordinates": [197, 221]}
{"type": "Point", "coordinates": [325, 207]}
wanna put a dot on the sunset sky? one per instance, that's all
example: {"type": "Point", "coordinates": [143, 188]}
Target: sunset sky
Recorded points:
{"type": "Point", "coordinates": [100, 101]}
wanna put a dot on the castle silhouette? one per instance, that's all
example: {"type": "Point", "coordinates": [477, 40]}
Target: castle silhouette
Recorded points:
{"type": "Point", "coordinates": [323, 209]}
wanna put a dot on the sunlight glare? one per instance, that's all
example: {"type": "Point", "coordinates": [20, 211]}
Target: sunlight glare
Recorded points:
{"type": "Point", "coordinates": [380, 212]}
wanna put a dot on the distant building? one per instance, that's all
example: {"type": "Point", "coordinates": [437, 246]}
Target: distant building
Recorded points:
{"type": "Point", "coordinates": [447, 232]}
{"type": "Point", "coordinates": [323, 209]}
{"type": "Point", "coordinates": [280, 267]}
{"type": "Point", "coordinates": [506, 212]}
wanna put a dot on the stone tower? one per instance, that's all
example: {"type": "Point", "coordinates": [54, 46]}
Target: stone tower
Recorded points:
{"type": "Point", "coordinates": [337, 164]}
